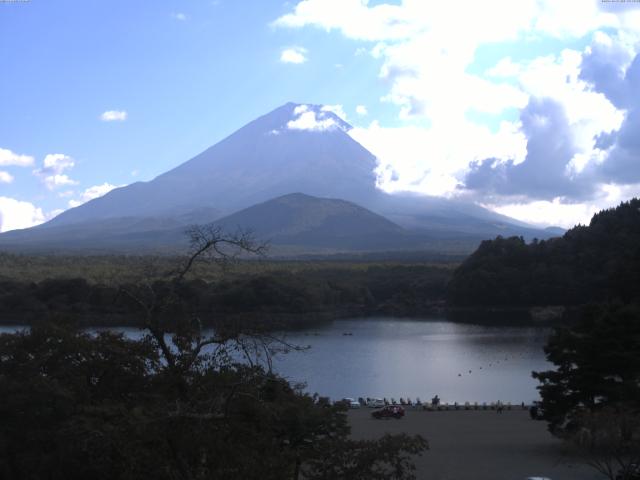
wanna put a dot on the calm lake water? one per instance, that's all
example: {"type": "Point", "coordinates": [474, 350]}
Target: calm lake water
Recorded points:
{"type": "Point", "coordinates": [389, 357]}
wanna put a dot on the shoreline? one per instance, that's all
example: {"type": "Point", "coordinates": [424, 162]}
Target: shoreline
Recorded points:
{"type": "Point", "coordinates": [546, 316]}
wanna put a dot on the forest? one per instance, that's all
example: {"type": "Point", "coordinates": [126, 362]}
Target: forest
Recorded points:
{"type": "Point", "coordinates": [283, 294]}
{"type": "Point", "coordinates": [599, 262]}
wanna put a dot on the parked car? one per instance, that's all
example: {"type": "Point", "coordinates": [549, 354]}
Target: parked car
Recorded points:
{"type": "Point", "coordinates": [351, 403]}
{"type": "Point", "coordinates": [390, 411]}
{"type": "Point", "coordinates": [375, 403]}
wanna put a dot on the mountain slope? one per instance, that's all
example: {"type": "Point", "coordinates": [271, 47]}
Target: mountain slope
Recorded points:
{"type": "Point", "coordinates": [296, 223]}
{"type": "Point", "coordinates": [306, 221]}
{"type": "Point", "coordinates": [262, 160]}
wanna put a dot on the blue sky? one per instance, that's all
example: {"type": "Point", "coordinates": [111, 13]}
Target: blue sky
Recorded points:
{"type": "Point", "coordinates": [178, 76]}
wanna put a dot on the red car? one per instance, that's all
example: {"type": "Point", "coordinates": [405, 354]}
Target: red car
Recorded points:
{"type": "Point", "coordinates": [389, 411]}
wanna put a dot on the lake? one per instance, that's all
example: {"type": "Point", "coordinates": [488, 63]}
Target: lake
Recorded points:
{"type": "Point", "coordinates": [391, 357]}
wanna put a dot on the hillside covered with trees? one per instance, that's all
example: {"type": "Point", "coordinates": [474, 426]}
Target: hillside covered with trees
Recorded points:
{"type": "Point", "coordinates": [595, 263]}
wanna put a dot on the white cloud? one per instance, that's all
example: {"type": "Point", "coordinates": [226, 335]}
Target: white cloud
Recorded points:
{"type": "Point", "coordinates": [308, 121]}
{"type": "Point", "coordinates": [336, 109]}
{"type": "Point", "coordinates": [491, 20]}
{"type": "Point", "coordinates": [93, 192]}
{"type": "Point", "coordinates": [353, 17]}
{"type": "Point", "coordinates": [183, 17]}
{"type": "Point", "coordinates": [58, 162]}
{"type": "Point", "coordinates": [589, 113]}
{"type": "Point", "coordinates": [16, 214]}
{"type": "Point", "coordinates": [567, 215]}
{"type": "Point", "coordinates": [54, 213]}
{"type": "Point", "coordinates": [295, 55]}
{"type": "Point", "coordinates": [114, 116]}
{"type": "Point", "coordinates": [5, 177]}
{"type": "Point", "coordinates": [52, 170]}
{"type": "Point", "coordinates": [548, 213]}
{"type": "Point", "coordinates": [9, 158]}
{"type": "Point", "coordinates": [425, 50]}
{"type": "Point", "coordinates": [54, 181]}
{"type": "Point", "coordinates": [504, 68]}
{"type": "Point", "coordinates": [311, 120]}
{"type": "Point", "coordinates": [361, 110]}
{"type": "Point", "coordinates": [430, 159]}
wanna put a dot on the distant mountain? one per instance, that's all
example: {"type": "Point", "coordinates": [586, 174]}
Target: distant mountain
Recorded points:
{"type": "Point", "coordinates": [555, 231]}
{"type": "Point", "coordinates": [295, 148]}
{"type": "Point", "coordinates": [293, 224]}
{"type": "Point", "coordinates": [450, 218]}
{"type": "Point", "coordinates": [310, 222]}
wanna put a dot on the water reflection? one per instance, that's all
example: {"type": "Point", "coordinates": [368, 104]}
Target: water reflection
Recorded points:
{"type": "Point", "coordinates": [397, 357]}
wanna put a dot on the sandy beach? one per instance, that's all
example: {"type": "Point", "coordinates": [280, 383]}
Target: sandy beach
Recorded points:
{"type": "Point", "coordinates": [479, 445]}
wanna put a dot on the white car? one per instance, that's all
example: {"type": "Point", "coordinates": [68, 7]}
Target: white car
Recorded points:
{"type": "Point", "coordinates": [352, 403]}
{"type": "Point", "coordinates": [375, 403]}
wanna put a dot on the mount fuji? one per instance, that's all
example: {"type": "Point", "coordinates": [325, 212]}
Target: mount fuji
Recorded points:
{"type": "Point", "coordinates": [296, 148]}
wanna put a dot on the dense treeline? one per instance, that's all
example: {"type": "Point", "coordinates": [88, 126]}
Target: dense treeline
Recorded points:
{"type": "Point", "coordinates": [594, 263]}
{"type": "Point", "coordinates": [119, 269]}
{"type": "Point", "coordinates": [280, 295]}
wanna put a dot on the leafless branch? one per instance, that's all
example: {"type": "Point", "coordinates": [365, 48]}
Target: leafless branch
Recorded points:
{"type": "Point", "coordinates": [212, 242]}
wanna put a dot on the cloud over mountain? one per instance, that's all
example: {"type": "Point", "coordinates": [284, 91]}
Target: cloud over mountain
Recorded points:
{"type": "Point", "coordinates": [52, 172]}
{"type": "Point", "coordinates": [93, 192]}
{"type": "Point", "coordinates": [472, 128]}
{"type": "Point", "coordinates": [546, 171]}
{"type": "Point", "coordinates": [316, 119]}
{"type": "Point", "coordinates": [18, 214]}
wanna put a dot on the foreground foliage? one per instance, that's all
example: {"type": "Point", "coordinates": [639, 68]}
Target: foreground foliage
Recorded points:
{"type": "Point", "coordinates": [75, 405]}
{"type": "Point", "coordinates": [187, 405]}
{"type": "Point", "coordinates": [592, 399]}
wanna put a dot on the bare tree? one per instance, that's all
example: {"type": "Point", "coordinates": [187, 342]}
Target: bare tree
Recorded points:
{"type": "Point", "coordinates": [164, 310]}
{"type": "Point", "coordinates": [212, 243]}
